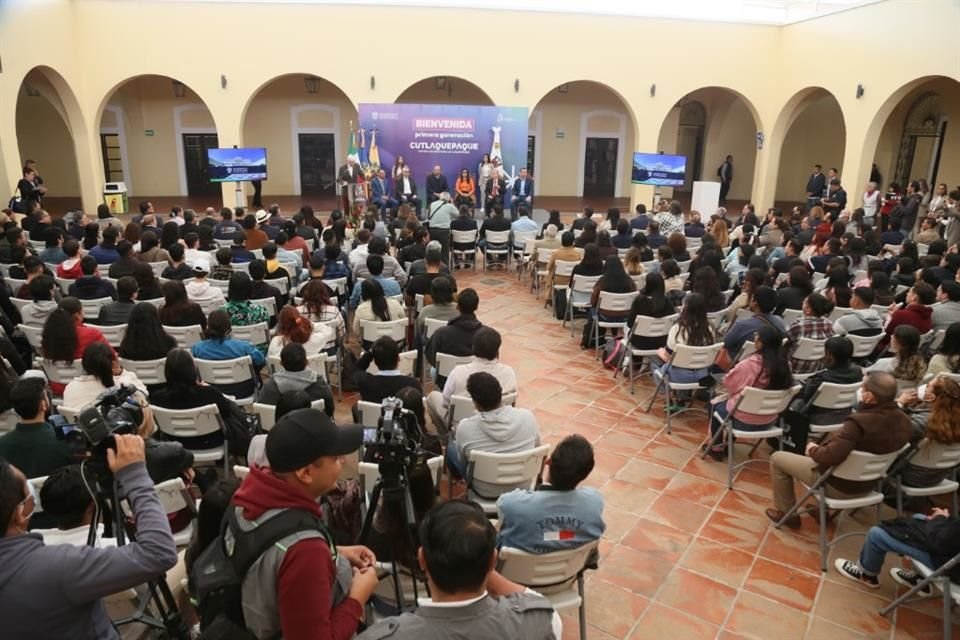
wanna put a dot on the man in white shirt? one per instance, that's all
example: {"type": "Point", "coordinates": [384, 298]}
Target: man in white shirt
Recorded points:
{"type": "Point", "coordinates": [871, 203]}
{"type": "Point", "coordinates": [405, 190]}
{"type": "Point", "coordinates": [523, 224]}
{"type": "Point", "coordinates": [191, 254]}
{"type": "Point", "coordinates": [359, 255]}
{"type": "Point", "coordinates": [486, 352]}
{"type": "Point", "coordinates": [201, 291]}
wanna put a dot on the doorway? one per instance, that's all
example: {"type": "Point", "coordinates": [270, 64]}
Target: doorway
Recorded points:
{"type": "Point", "coordinates": [195, 147]}
{"type": "Point", "coordinates": [110, 152]}
{"type": "Point", "coordinates": [690, 137]}
{"type": "Point", "coordinates": [318, 169]}
{"type": "Point", "coordinates": [600, 167]}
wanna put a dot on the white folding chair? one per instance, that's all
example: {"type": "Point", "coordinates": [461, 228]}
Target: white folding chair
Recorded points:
{"type": "Point", "coordinates": [20, 303]}
{"type": "Point", "coordinates": [882, 311]}
{"type": "Point", "coordinates": [464, 238]}
{"type": "Point", "coordinates": [762, 402]}
{"type": "Point", "coordinates": [498, 244]}
{"type": "Point", "coordinates": [113, 334]}
{"type": "Point", "coordinates": [619, 303]}
{"type": "Point", "coordinates": [557, 575]}
{"type": "Point", "coordinates": [269, 303]}
{"type": "Point", "coordinates": [789, 316]}
{"type": "Point", "coordinates": [34, 336]}
{"type": "Point", "coordinates": [406, 365]}
{"type": "Point", "coordinates": [158, 267]}
{"type": "Point", "coordinates": [446, 363]}
{"type": "Point", "coordinates": [940, 578]}
{"type": "Point", "coordinates": [91, 308]}
{"type": "Point", "coordinates": [174, 498]}
{"type": "Point", "coordinates": [149, 371]}
{"type": "Point", "coordinates": [268, 413]}
{"type": "Point", "coordinates": [240, 472]}
{"type": "Point", "coordinates": [936, 341]}
{"type": "Point", "coordinates": [253, 333]}
{"type": "Point", "coordinates": [808, 349]}
{"type": "Point", "coordinates": [36, 484]}
{"type": "Point", "coordinates": [187, 336]}
{"type": "Point", "coordinates": [863, 346]}
{"type": "Point", "coordinates": [563, 269]}
{"type": "Point", "coordinates": [497, 473]}
{"type": "Point", "coordinates": [70, 414]}
{"type": "Point", "coordinates": [370, 473]}
{"type": "Point", "coordinates": [540, 272]}
{"type": "Point", "coordinates": [315, 362]}
{"type": "Point", "coordinates": [62, 372]}
{"type": "Point", "coordinates": [858, 467]}
{"type": "Point", "coordinates": [432, 324]}
{"type": "Point", "coordinates": [14, 284]}
{"type": "Point", "coordinates": [934, 456]}
{"type": "Point", "coordinates": [831, 396]}
{"type": "Point", "coordinates": [578, 296]}
{"type": "Point", "coordinates": [461, 406]}
{"type": "Point", "coordinates": [839, 312]}
{"type": "Point", "coordinates": [369, 413]}
{"type": "Point", "coordinates": [683, 357]}
{"type": "Point", "coordinates": [8, 421]}
{"type": "Point", "coordinates": [646, 327]}
{"type": "Point", "coordinates": [371, 330]}
{"type": "Point", "coordinates": [190, 423]}
{"type": "Point", "coordinates": [232, 371]}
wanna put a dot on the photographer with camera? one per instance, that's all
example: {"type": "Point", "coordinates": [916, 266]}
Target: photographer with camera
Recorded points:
{"type": "Point", "coordinates": [56, 591]}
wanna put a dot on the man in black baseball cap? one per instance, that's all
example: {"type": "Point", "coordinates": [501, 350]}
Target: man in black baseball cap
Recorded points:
{"type": "Point", "coordinates": [306, 451]}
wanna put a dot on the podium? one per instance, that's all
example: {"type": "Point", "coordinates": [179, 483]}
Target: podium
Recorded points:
{"type": "Point", "coordinates": [706, 198]}
{"type": "Point", "coordinates": [353, 196]}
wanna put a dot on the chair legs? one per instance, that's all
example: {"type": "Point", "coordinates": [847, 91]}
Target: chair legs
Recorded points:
{"type": "Point", "coordinates": [583, 608]}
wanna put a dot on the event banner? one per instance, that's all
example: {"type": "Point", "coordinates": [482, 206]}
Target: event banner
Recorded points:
{"type": "Point", "coordinates": [453, 136]}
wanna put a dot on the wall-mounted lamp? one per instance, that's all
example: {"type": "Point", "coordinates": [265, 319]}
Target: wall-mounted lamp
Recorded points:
{"type": "Point", "coordinates": [516, 85]}
{"type": "Point", "coordinates": [312, 84]}
{"type": "Point", "coordinates": [373, 83]}
{"type": "Point", "coordinates": [653, 90]}
{"type": "Point", "coordinates": [31, 90]}
{"type": "Point", "coordinates": [179, 89]}
{"type": "Point", "coordinates": [440, 83]}
{"type": "Point", "coordinates": [859, 91]}
{"type": "Point", "coordinates": [564, 88]}
{"type": "Point", "coordinates": [223, 81]}
{"type": "Point", "coordinates": [760, 139]}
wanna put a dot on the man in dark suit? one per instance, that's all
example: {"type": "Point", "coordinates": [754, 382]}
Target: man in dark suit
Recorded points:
{"type": "Point", "coordinates": [350, 172]}
{"type": "Point", "coordinates": [496, 187]}
{"type": "Point", "coordinates": [522, 193]}
{"type": "Point", "coordinates": [380, 194]}
{"type": "Point", "coordinates": [816, 183]}
{"type": "Point", "coordinates": [436, 184]}
{"type": "Point", "coordinates": [725, 173]}
{"type": "Point", "coordinates": [405, 190]}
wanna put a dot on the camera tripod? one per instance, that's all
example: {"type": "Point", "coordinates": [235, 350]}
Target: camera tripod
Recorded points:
{"type": "Point", "coordinates": [392, 490]}
{"type": "Point", "coordinates": [158, 594]}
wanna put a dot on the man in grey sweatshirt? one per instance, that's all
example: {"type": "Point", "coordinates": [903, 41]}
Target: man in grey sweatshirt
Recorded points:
{"type": "Point", "coordinates": [56, 591]}
{"type": "Point", "coordinates": [862, 319]}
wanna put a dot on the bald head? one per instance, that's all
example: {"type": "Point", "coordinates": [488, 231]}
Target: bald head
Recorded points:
{"type": "Point", "coordinates": [881, 385]}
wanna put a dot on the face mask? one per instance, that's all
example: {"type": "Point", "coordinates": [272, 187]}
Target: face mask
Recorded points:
{"type": "Point", "coordinates": [859, 398]}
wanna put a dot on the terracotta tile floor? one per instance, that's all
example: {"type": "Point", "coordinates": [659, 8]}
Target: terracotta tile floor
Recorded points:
{"type": "Point", "coordinates": [682, 558]}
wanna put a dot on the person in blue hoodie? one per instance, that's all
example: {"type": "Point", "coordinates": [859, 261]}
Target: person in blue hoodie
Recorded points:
{"type": "Point", "coordinates": [559, 514]}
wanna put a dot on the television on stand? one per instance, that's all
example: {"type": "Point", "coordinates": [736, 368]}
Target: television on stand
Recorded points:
{"type": "Point", "coordinates": [658, 170]}
{"type": "Point", "coordinates": [237, 165]}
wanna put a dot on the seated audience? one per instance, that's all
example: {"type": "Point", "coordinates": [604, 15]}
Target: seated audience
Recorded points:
{"type": "Point", "coordinates": [456, 338]}
{"type": "Point", "coordinates": [947, 310]}
{"type": "Point", "coordinates": [878, 426]}
{"type": "Point", "coordinates": [420, 284]}
{"type": "Point", "coordinates": [218, 345]}
{"type": "Point", "coordinates": [145, 338]}
{"type": "Point", "coordinates": [124, 266]}
{"type": "Point", "coordinates": [796, 290]}
{"type": "Point", "coordinates": [33, 446]}
{"type": "Point", "coordinates": [222, 270]}
{"type": "Point", "coordinates": [692, 329]}
{"type": "Point", "coordinates": [90, 286]}
{"type": "Point", "coordinates": [65, 337]}
{"type": "Point", "coordinates": [53, 252]}
{"type": "Point", "coordinates": [295, 376]}
{"type": "Point", "coordinates": [384, 353]}
{"type": "Point", "coordinates": [239, 307]}
{"type": "Point", "coordinates": [70, 268]}
{"type": "Point", "coordinates": [106, 251]}
{"type": "Point", "coordinates": [762, 303]}
{"type": "Point", "coordinates": [319, 305]}
{"type": "Point", "coordinates": [907, 364]}
{"type": "Point", "coordinates": [178, 310]}
{"type": "Point", "coordinates": [375, 306]}
{"type": "Point", "coordinates": [814, 324]}
{"type": "Point", "coordinates": [389, 286]}
{"type": "Point", "coordinates": [178, 269]}
{"type": "Point", "coordinates": [148, 286]}
{"type": "Point", "coordinates": [862, 319]}
{"type": "Point", "coordinates": [559, 514]}
{"type": "Point", "coordinates": [947, 359]}
{"type": "Point", "coordinates": [201, 291]}
{"type": "Point", "coordinates": [101, 372]}
{"type": "Point", "coordinates": [651, 303]}
{"type": "Point", "coordinates": [441, 306]}
{"type": "Point", "coordinates": [238, 251]}
{"type": "Point", "coordinates": [119, 312]}
{"type": "Point", "coordinates": [150, 249]}
{"type": "Point", "coordinates": [41, 290]}
{"type": "Point", "coordinates": [293, 328]}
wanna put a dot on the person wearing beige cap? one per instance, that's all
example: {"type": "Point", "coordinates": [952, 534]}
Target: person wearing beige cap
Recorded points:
{"type": "Point", "coordinates": [201, 291]}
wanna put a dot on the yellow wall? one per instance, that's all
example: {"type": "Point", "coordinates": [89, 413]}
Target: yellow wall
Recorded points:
{"type": "Point", "coordinates": [767, 65]}
{"type": "Point", "coordinates": [47, 139]}
{"type": "Point", "coordinates": [816, 137]}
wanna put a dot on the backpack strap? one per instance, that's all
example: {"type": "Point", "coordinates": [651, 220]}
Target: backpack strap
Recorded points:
{"type": "Point", "coordinates": [248, 546]}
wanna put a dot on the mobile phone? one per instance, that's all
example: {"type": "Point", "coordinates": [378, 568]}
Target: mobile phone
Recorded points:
{"type": "Point", "coordinates": [921, 392]}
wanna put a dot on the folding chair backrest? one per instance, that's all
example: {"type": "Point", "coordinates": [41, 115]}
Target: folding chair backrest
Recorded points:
{"type": "Point", "coordinates": [149, 371]}
{"type": "Point", "coordinates": [8, 421]}
{"type": "Point", "coordinates": [831, 395]}
{"type": "Point", "coordinates": [766, 402]}
{"type": "Point", "coordinates": [113, 334]}
{"type": "Point", "coordinates": [507, 469]}
{"type": "Point", "coordinates": [369, 413]}
{"type": "Point", "coordinates": [497, 237]}
{"type": "Point", "coordinates": [446, 363]}
{"type": "Point", "coordinates": [187, 336]}
{"type": "Point", "coordinates": [406, 366]}
{"type": "Point", "coordinates": [743, 314]}
{"type": "Point", "coordinates": [463, 237]}
{"type": "Point", "coordinates": [270, 304]}
{"type": "Point", "coordinates": [173, 495]}
{"type": "Point", "coordinates": [687, 357]}
{"type": "Point", "coordinates": [861, 466]}
{"type": "Point", "coordinates": [20, 303]}
{"type": "Point", "coordinates": [564, 268]}
{"type": "Point", "coordinates": [809, 349]}
{"type": "Point", "coordinates": [36, 484]}
{"type": "Point", "coordinates": [91, 308]}
{"type": "Point", "coordinates": [583, 284]}
{"type": "Point", "coordinates": [461, 407]}
{"type": "Point", "coordinates": [432, 324]}
{"type": "Point", "coordinates": [937, 456]}
{"type": "Point", "coordinates": [544, 255]}
{"type": "Point", "coordinates": [158, 267]}
{"type": "Point", "coordinates": [863, 346]}
{"type": "Point", "coordinates": [370, 330]}
{"type": "Point", "coordinates": [648, 327]}
{"type": "Point", "coordinates": [268, 412]}
{"type": "Point", "coordinates": [790, 316]}
{"type": "Point", "coordinates": [225, 371]}
{"type": "Point", "coordinates": [70, 414]}
{"type": "Point", "coordinates": [187, 423]}
{"type": "Point", "coordinates": [616, 301]}
{"type": "Point", "coordinates": [839, 312]}
{"type": "Point", "coordinates": [937, 340]}
{"type": "Point", "coordinates": [253, 333]}
{"type": "Point", "coordinates": [337, 285]}
{"type": "Point", "coordinates": [545, 572]}
{"type": "Point", "coordinates": [62, 372]}
{"type": "Point", "coordinates": [240, 472]}
{"type": "Point", "coordinates": [34, 335]}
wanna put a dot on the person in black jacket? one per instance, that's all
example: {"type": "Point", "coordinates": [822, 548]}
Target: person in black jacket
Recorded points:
{"type": "Point", "coordinates": [375, 387]}
{"type": "Point", "coordinates": [456, 338]}
{"type": "Point", "coordinates": [127, 264]}
{"type": "Point", "coordinates": [90, 285]}
{"type": "Point", "coordinates": [119, 312]}
{"type": "Point", "coordinates": [652, 303]}
{"type": "Point", "coordinates": [816, 183]}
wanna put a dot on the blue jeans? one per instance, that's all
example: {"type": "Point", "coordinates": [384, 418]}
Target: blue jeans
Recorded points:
{"type": "Point", "coordinates": [721, 411]}
{"type": "Point", "coordinates": [454, 463]}
{"type": "Point", "coordinates": [879, 543]}
{"type": "Point", "coordinates": [679, 375]}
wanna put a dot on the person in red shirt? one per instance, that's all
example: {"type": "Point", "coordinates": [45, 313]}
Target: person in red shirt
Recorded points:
{"type": "Point", "coordinates": [65, 337]}
{"type": "Point", "coordinates": [917, 312]}
{"type": "Point", "coordinates": [70, 269]}
{"type": "Point", "coordinates": [294, 242]}
{"type": "Point", "coordinates": [315, 596]}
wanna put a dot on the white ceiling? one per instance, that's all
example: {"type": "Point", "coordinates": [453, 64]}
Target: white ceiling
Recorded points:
{"type": "Point", "coordinates": [775, 12]}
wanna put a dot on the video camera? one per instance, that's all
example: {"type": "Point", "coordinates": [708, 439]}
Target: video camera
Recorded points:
{"type": "Point", "coordinates": [115, 412]}
{"type": "Point", "coordinates": [397, 441]}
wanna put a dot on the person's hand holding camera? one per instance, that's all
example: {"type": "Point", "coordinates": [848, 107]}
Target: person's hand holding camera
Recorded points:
{"type": "Point", "coordinates": [129, 450]}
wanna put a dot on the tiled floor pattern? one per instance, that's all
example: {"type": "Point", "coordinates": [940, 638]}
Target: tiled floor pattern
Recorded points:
{"type": "Point", "coordinates": [682, 558]}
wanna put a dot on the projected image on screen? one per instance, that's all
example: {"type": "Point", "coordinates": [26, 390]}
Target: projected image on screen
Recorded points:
{"type": "Point", "coordinates": [237, 165]}
{"type": "Point", "coordinates": [658, 170]}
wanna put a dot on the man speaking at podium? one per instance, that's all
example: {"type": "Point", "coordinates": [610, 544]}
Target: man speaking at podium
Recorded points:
{"type": "Point", "coordinates": [349, 174]}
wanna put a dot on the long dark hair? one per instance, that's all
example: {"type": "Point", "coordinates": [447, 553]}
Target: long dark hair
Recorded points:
{"type": "Point", "coordinates": [372, 291]}
{"type": "Point", "coordinates": [180, 370]}
{"type": "Point", "coordinates": [950, 349]}
{"type": "Point", "coordinates": [653, 288]}
{"type": "Point", "coordinates": [59, 339]}
{"type": "Point", "coordinates": [589, 234]}
{"type": "Point", "coordinates": [316, 296]}
{"type": "Point", "coordinates": [145, 338]}
{"type": "Point", "coordinates": [91, 235]}
{"type": "Point", "coordinates": [707, 285]}
{"type": "Point", "coordinates": [591, 256]}
{"type": "Point", "coordinates": [98, 362]}
{"type": "Point", "coordinates": [615, 278]}
{"type": "Point", "coordinates": [693, 323]}
{"type": "Point", "coordinates": [774, 355]}
{"type": "Point", "coordinates": [169, 235]}
{"type": "Point", "coordinates": [800, 279]}
{"type": "Point", "coordinates": [240, 287]}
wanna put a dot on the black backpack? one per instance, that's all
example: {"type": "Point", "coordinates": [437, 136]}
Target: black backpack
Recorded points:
{"type": "Point", "coordinates": [217, 576]}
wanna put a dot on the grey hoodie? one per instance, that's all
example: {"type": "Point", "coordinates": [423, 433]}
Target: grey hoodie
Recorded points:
{"type": "Point", "coordinates": [858, 320]}
{"type": "Point", "coordinates": [503, 430]}
{"type": "Point", "coordinates": [306, 380]}
{"type": "Point", "coordinates": [54, 592]}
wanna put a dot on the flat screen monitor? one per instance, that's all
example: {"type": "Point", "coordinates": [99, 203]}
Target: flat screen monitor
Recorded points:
{"type": "Point", "coordinates": [658, 169]}
{"type": "Point", "coordinates": [237, 165]}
